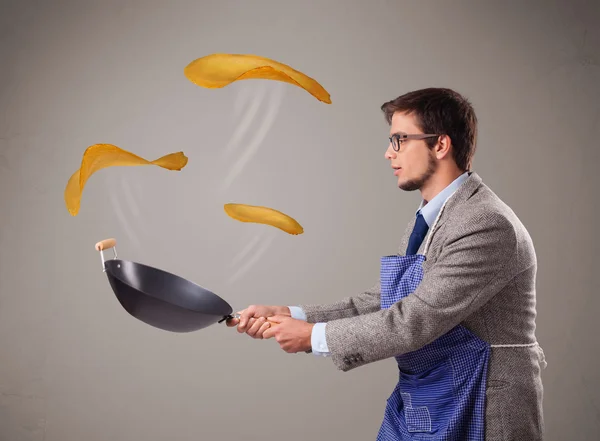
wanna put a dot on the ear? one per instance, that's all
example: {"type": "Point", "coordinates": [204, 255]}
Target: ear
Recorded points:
{"type": "Point", "coordinates": [443, 147]}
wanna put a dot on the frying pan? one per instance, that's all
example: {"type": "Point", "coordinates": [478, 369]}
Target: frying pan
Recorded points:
{"type": "Point", "coordinates": [159, 298]}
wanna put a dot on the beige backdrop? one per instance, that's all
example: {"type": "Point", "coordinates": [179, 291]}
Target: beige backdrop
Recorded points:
{"type": "Point", "coordinates": [74, 366]}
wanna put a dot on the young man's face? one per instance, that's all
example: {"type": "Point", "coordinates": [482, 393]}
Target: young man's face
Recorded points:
{"type": "Point", "coordinates": [414, 163]}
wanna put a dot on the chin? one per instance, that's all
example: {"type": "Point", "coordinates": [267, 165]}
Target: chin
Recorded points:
{"type": "Point", "coordinates": [409, 185]}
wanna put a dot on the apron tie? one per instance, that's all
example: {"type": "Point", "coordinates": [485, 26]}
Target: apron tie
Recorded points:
{"type": "Point", "coordinates": [542, 357]}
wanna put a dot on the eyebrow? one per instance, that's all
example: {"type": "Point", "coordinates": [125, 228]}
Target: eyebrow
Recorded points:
{"type": "Point", "coordinates": [398, 133]}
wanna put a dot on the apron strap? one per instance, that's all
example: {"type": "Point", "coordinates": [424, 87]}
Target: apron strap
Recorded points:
{"type": "Point", "coordinates": [543, 361]}
{"type": "Point", "coordinates": [523, 345]}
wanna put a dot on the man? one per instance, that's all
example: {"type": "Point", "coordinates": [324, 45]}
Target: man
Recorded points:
{"type": "Point", "coordinates": [455, 307]}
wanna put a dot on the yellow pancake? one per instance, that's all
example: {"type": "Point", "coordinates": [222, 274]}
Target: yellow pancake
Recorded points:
{"type": "Point", "coordinates": [263, 215]}
{"type": "Point", "coordinates": [219, 70]}
{"type": "Point", "coordinates": [99, 156]}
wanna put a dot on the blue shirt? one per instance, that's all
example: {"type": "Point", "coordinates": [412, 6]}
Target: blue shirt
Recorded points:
{"type": "Point", "coordinates": [429, 210]}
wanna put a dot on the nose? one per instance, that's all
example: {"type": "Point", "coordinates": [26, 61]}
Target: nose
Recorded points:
{"type": "Point", "coordinates": [390, 153]}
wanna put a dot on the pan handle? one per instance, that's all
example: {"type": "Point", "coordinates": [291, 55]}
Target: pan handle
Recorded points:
{"type": "Point", "coordinates": [236, 316]}
{"type": "Point", "coordinates": [106, 244]}
{"type": "Point", "coordinates": [230, 316]}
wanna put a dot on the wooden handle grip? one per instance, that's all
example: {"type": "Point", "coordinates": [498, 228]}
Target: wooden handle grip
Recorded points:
{"type": "Point", "coordinates": [106, 244]}
{"type": "Point", "coordinates": [237, 316]}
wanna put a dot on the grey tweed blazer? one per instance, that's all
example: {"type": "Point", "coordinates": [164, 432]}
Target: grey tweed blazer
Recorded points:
{"type": "Point", "coordinates": [480, 272]}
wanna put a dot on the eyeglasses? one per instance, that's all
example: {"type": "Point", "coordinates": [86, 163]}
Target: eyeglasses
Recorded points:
{"type": "Point", "coordinates": [397, 139]}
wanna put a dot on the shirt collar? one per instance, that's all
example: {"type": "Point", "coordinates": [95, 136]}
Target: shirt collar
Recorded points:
{"type": "Point", "coordinates": [433, 207]}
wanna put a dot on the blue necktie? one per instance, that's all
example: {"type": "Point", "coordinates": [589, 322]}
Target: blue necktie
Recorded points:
{"type": "Point", "coordinates": [418, 234]}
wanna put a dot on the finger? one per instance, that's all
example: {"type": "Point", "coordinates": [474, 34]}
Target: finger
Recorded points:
{"type": "Point", "coordinates": [250, 321]}
{"type": "Point", "coordinates": [269, 332]}
{"type": "Point", "coordinates": [277, 318]}
{"type": "Point", "coordinates": [245, 316]}
{"type": "Point", "coordinates": [263, 328]}
{"type": "Point", "coordinates": [232, 322]}
{"type": "Point", "coordinates": [252, 330]}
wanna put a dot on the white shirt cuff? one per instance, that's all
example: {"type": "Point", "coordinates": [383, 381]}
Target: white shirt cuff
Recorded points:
{"type": "Point", "coordinates": [297, 313]}
{"type": "Point", "coordinates": [318, 340]}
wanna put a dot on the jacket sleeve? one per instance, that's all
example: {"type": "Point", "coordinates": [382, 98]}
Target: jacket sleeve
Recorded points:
{"type": "Point", "coordinates": [364, 303]}
{"type": "Point", "coordinates": [474, 264]}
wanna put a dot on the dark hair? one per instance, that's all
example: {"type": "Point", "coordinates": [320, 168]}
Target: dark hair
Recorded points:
{"type": "Point", "coordinates": [441, 111]}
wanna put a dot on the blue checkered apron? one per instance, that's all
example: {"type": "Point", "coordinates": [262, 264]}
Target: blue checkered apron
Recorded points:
{"type": "Point", "coordinates": [440, 394]}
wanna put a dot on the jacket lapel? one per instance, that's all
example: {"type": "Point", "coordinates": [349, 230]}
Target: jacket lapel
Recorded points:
{"type": "Point", "coordinates": [462, 194]}
{"type": "Point", "coordinates": [406, 236]}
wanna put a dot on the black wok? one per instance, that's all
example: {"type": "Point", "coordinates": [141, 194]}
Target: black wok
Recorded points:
{"type": "Point", "coordinates": [159, 298]}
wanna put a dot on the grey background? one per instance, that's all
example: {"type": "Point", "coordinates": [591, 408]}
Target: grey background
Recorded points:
{"type": "Point", "coordinates": [74, 366]}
